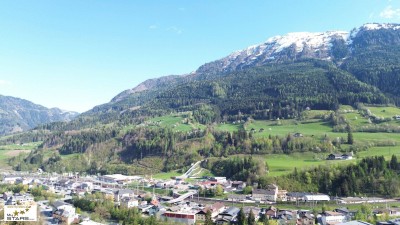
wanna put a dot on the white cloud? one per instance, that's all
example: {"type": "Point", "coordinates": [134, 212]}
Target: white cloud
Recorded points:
{"type": "Point", "coordinates": [175, 30]}
{"type": "Point", "coordinates": [153, 27]}
{"type": "Point", "coordinates": [390, 13]}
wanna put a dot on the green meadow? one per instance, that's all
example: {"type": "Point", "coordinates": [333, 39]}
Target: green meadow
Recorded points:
{"type": "Point", "coordinates": [311, 125]}
{"type": "Point", "coordinates": [9, 151]}
{"type": "Point", "coordinates": [177, 122]}
{"type": "Point", "coordinates": [280, 164]}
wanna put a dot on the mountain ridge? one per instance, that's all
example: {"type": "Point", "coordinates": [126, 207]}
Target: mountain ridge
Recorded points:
{"type": "Point", "coordinates": [355, 68]}
{"type": "Point", "coordinates": [17, 114]}
{"type": "Point", "coordinates": [273, 49]}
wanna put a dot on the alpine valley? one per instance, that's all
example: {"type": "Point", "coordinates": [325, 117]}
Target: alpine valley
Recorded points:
{"type": "Point", "coordinates": [253, 115]}
{"type": "Point", "coordinates": [18, 115]}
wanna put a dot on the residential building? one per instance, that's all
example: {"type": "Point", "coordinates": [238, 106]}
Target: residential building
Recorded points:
{"type": "Point", "coordinates": [65, 212]}
{"type": "Point", "coordinates": [220, 180]}
{"type": "Point", "coordinates": [354, 222]}
{"type": "Point", "coordinates": [239, 185]}
{"type": "Point", "coordinates": [129, 202]}
{"type": "Point", "coordinates": [118, 178]}
{"type": "Point", "coordinates": [11, 179]}
{"type": "Point", "coordinates": [346, 156]}
{"type": "Point", "coordinates": [19, 199]}
{"type": "Point", "coordinates": [330, 217]}
{"type": "Point", "coordinates": [236, 197]}
{"type": "Point", "coordinates": [304, 217]}
{"type": "Point", "coordinates": [282, 196]}
{"type": "Point", "coordinates": [121, 193]}
{"type": "Point", "coordinates": [271, 212]}
{"type": "Point", "coordinates": [215, 209]}
{"type": "Point", "coordinates": [346, 212]}
{"type": "Point", "coordinates": [227, 216]}
{"type": "Point", "coordinates": [188, 218]}
{"type": "Point", "coordinates": [259, 194]}
{"type": "Point", "coordinates": [256, 211]}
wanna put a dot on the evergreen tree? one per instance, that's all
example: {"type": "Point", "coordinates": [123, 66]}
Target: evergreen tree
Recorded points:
{"type": "Point", "coordinates": [394, 163]}
{"type": "Point", "coordinates": [208, 220]}
{"type": "Point", "coordinates": [241, 217]}
{"type": "Point", "coordinates": [251, 220]}
{"type": "Point", "coordinates": [350, 139]}
{"type": "Point", "coordinates": [266, 220]}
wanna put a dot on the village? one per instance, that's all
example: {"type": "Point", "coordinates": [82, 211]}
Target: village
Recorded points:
{"type": "Point", "coordinates": [182, 202]}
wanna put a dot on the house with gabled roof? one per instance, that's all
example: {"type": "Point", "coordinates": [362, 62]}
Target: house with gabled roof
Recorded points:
{"type": "Point", "coordinates": [228, 216]}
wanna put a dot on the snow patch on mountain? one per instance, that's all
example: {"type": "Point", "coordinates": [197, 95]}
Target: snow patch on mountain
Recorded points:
{"type": "Point", "coordinates": [371, 26]}
{"type": "Point", "coordinates": [378, 26]}
{"type": "Point", "coordinates": [330, 46]}
{"type": "Point", "coordinates": [301, 39]}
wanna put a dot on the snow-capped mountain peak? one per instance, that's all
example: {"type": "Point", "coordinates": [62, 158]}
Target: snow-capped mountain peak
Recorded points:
{"type": "Point", "coordinates": [378, 26]}
{"type": "Point", "coordinates": [372, 27]}
{"type": "Point", "coordinates": [335, 46]}
{"type": "Point", "coordinates": [291, 45]}
{"type": "Point", "coordinates": [302, 39]}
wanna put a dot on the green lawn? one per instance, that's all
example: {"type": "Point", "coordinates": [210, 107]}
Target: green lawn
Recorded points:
{"type": "Point", "coordinates": [376, 137]}
{"type": "Point", "coordinates": [284, 164]}
{"type": "Point", "coordinates": [69, 156]}
{"type": "Point", "coordinates": [229, 127]}
{"type": "Point", "coordinates": [387, 152]}
{"type": "Point", "coordinates": [313, 126]}
{"type": "Point", "coordinates": [166, 176]}
{"type": "Point", "coordinates": [9, 151]}
{"type": "Point", "coordinates": [355, 119]}
{"type": "Point", "coordinates": [26, 146]}
{"type": "Point", "coordinates": [176, 121]}
{"type": "Point", "coordinates": [312, 114]}
{"type": "Point", "coordinates": [386, 112]}
{"type": "Point", "coordinates": [314, 129]}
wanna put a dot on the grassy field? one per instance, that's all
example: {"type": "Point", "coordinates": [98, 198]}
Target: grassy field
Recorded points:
{"type": "Point", "coordinates": [284, 164]}
{"type": "Point", "coordinates": [9, 151]}
{"type": "Point", "coordinates": [229, 127]}
{"type": "Point", "coordinates": [314, 126]}
{"type": "Point", "coordinates": [176, 122]}
{"type": "Point", "coordinates": [355, 119]}
{"type": "Point", "coordinates": [387, 152]}
{"type": "Point", "coordinates": [165, 176]}
{"type": "Point", "coordinates": [26, 146]}
{"type": "Point", "coordinates": [386, 112]}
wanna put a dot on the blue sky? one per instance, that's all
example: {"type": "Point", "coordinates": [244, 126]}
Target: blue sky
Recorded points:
{"type": "Point", "coordinates": [75, 54]}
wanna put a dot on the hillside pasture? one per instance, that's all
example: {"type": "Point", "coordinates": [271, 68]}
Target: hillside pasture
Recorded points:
{"type": "Point", "coordinates": [385, 112]}
{"type": "Point", "coordinates": [284, 164]}
{"type": "Point", "coordinates": [177, 122]}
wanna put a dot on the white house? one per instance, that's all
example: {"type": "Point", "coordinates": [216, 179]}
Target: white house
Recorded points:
{"type": "Point", "coordinates": [65, 212]}
{"type": "Point", "coordinates": [122, 193]}
{"type": "Point", "coordinates": [129, 202]}
{"type": "Point", "coordinates": [220, 180]}
{"type": "Point", "coordinates": [329, 217]}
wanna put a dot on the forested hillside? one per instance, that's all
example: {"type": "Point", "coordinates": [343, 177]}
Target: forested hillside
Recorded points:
{"type": "Point", "coordinates": [17, 115]}
{"type": "Point", "coordinates": [373, 176]}
{"type": "Point", "coordinates": [256, 109]}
